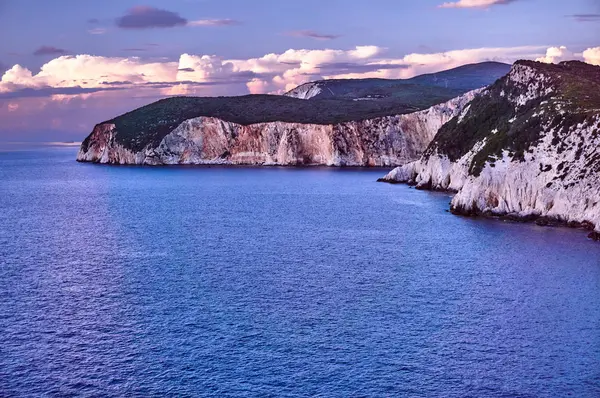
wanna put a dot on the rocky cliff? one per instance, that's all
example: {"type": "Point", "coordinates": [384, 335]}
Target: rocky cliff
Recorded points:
{"type": "Point", "coordinates": [379, 141]}
{"type": "Point", "coordinates": [527, 148]}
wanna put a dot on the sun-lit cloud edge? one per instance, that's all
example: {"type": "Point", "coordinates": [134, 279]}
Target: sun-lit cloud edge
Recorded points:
{"type": "Point", "coordinates": [592, 56]}
{"type": "Point", "coordinates": [475, 3]}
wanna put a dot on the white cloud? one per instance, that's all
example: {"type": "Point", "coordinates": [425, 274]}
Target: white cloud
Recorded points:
{"type": "Point", "coordinates": [16, 76]}
{"type": "Point", "coordinates": [271, 73]}
{"type": "Point", "coordinates": [87, 71]}
{"type": "Point", "coordinates": [556, 54]}
{"type": "Point", "coordinates": [202, 68]}
{"type": "Point", "coordinates": [474, 3]}
{"type": "Point", "coordinates": [417, 63]}
{"type": "Point", "coordinates": [592, 56]}
{"type": "Point", "coordinates": [257, 86]}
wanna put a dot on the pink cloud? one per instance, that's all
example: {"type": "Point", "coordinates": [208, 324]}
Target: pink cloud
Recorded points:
{"type": "Point", "coordinates": [475, 3]}
{"type": "Point", "coordinates": [592, 56]}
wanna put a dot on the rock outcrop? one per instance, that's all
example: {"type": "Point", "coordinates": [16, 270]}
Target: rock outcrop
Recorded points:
{"type": "Point", "coordinates": [381, 141]}
{"type": "Point", "coordinates": [527, 148]}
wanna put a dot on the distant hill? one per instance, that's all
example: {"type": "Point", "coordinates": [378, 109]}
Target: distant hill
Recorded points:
{"type": "Point", "coordinates": [453, 81]}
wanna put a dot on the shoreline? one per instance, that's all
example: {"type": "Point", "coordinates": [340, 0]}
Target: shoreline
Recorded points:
{"type": "Point", "coordinates": [543, 221]}
{"type": "Point", "coordinates": [237, 165]}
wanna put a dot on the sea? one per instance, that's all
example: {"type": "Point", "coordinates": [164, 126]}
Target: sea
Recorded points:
{"type": "Point", "coordinates": [279, 282]}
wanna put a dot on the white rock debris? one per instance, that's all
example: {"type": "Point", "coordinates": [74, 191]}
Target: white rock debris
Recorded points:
{"type": "Point", "coordinates": [306, 91]}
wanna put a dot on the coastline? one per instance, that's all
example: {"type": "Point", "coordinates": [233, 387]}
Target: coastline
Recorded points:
{"type": "Point", "coordinates": [543, 221]}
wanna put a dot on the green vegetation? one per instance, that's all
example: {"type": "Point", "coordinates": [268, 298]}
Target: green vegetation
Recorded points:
{"type": "Point", "coordinates": [493, 117]}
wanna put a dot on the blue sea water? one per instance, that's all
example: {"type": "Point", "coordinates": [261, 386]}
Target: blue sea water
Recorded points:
{"type": "Point", "coordinates": [182, 281]}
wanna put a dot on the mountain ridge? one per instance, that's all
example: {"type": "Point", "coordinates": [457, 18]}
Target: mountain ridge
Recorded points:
{"type": "Point", "coordinates": [465, 77]}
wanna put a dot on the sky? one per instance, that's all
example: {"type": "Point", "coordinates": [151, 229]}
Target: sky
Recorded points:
{"type": "Point", "coordinates": [69, 64]}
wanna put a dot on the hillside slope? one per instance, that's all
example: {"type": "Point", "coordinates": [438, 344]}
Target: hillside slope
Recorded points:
{"type": "Point", "coordinates": [451, 82]}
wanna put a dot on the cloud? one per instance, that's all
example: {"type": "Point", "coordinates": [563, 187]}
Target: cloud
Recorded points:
{"type": "Point", "coordinates": [146, 47]}
{"type": "Point", "coordinates": [84, 89]}
{"type": "Point", "coordinates": [97, 31]}
{"type": "Point", "coordinates": [586, 17]}
{"type": "Point", "coordinates": [214, 75]}
{"type": "Point", "coordinates": [87, 71]}
{"type": "Point", "coordinates": [475, 3]}
{"type": "Point", "coordinates": [144, 17]}
{"type": "Point", "coordinates": [214, 22]}
{"type": "Point", "coordinates": [556, 54]}
{"type": "Point", "coordinates": [313, 35]}
{"type": "Point", "coordinates": [592, 56]}
{"type": "Point", "coordinates": [49, 50]}
{"type": "Point", "coordinates": [350, 67]}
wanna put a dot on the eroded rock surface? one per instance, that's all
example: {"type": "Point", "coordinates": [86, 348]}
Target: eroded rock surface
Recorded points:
{"type": "Point", "coordinates": [527, 148]}
{"type": "Point", "coordinates": [382, 141]}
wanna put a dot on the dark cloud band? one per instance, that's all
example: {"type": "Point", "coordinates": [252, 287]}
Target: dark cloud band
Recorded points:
{"type": "Point", "coordinates": [313, 35]}
{"type": "Point", "coordinates": [586, 17]}
{"type": "Point", "coordinates": [49, 50]}
{"type": "Point", "coordinates": [143, 17]}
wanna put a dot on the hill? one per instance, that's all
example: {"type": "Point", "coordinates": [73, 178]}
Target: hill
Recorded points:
{"type": "Point", "coordinates": [148, 125]}
{"type": "Point", "coordinates": [457, 80]}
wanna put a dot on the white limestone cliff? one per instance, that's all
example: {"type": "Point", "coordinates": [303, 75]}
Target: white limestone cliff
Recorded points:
{"type": "Point", "coordinates": [556, 180]}
{"type": "Point", "coordinates": [384, 141]}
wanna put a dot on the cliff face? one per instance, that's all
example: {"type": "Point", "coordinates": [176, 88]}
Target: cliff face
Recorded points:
{"type": "Point", "coordinates": [382, 141]}
{"type": "Point", "coordinates": [306, 91]}
{"type": "Point", "coordinates": [527, 148]}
